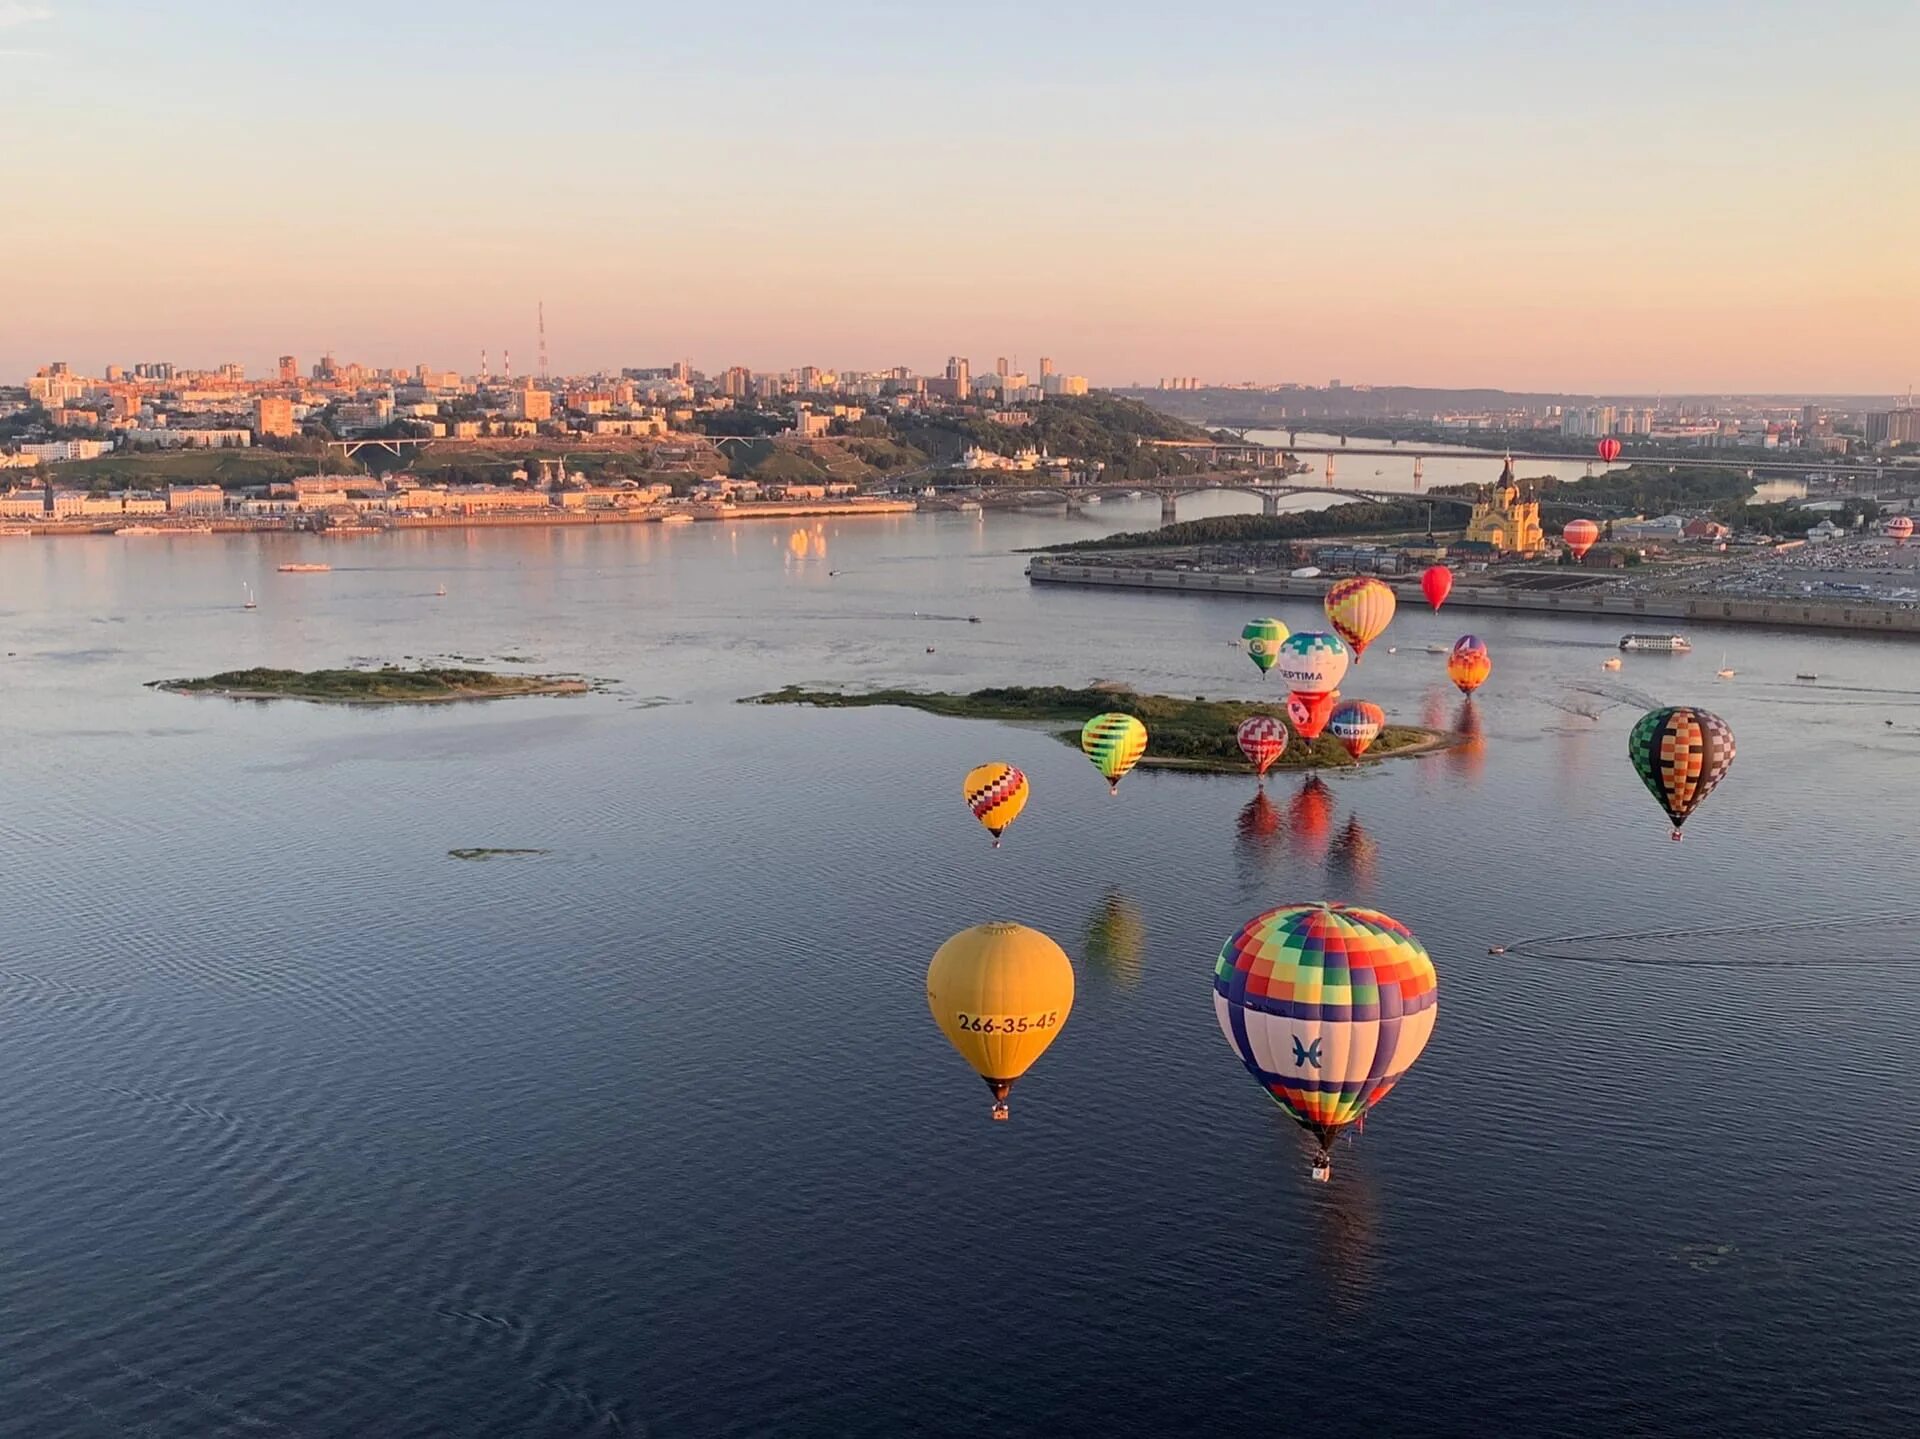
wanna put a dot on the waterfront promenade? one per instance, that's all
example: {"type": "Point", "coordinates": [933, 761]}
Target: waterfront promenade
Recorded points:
{"type": "Point", "coordinates": [1786, 613]}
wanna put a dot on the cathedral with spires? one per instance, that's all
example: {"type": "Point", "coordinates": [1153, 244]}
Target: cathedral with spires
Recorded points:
{"type": "Point", "coordinates": [1507, 521]}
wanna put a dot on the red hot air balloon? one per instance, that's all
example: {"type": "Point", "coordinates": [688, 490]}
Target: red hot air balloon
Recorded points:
{"type": "Point", "coordinates": [1310, 713]}
{"type": "Point", "coordinates": [1263, 739]}
{"type": "Point", "coordinates": [1436, 583]}
{"type": "Point", "coordinates": [1580, 535]}
{"type": "Point", "coordinates": [1608, 450]}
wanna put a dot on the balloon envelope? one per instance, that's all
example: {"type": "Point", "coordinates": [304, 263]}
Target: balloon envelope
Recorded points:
{"type": "Point", "coordinates": [1680, 754]}
{"type": "Point", "coordinates": [1309, 713]}
{"type": "Point", "coordinates": [1469, 664]}
{"type": "Point", "coordinates": [1114, 742]}
{"type": "Point", "coordinates": [1313, 662]}
{"type": "Point", "coordinates": [1264, 638]}
{"type": "Point", "coordinates": [1327, 1006]}
{"type": "Point", "coordinates": [1436, 583]}
{"type": "Point", "coordinates": [1000, 993]}
{"type": "Point", "coordinates": [1356, 724]}
{"type": "Point", "coordinates": [1900, 527]}
{"type": "Point", "coordinates": [1359, 609]}
{"type": "Point", "coordinates": [1580, 535]}
{"type": "Point", "coordinates": [996, 793]}
{"type": "Point", "coordinates": [1263, 739]}
{"type": "Point", "coordinates": [1608, 450]}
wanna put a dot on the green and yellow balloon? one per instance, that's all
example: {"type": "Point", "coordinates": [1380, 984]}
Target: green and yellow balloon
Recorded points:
{"type": "Point", "coordinates": [1114, 742]}
{"type": "Point", "coordinates": [1264, 638]}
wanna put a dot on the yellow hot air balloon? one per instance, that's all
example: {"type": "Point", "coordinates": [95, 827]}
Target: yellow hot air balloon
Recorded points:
{"type": "Point", "coordinates": [1359, 609]}
{"type": "Point", "coordinates": [1000, 993]}
{"type": "Point", "coordinates": [1114, 742]}
{"type": "Point", "coordinates": [996, 793]}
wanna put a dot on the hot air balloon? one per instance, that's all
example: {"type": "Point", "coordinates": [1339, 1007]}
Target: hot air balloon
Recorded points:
{"type": "Point", "coordinates": [1436, 583]}
{"type": "Point", "coordinates": [1264, 638]}
{"type": "Point", "coordinates": [1469, 664]}
{"type": "Point", "coordinates": [1359, 609]}
{"type": "Point", "coordinates": [1000, 993]}
{"type": "Point", "coordinates": [1310, 713]}
{"type": "Point", "coordinates": [996, 793]}
{"type": "Point", "coordinates": [1608, 450]}
{"type": "Point", "coordinates": [1356, 724]}
{"type": "Point", "coordinates": [1900, 528]}
{"type": "Point", "coordinates": [1263, 739]}
{"type": "Point", "coordinates": [1114, 742]}
{"type": "Point", "coordinates": [1680, 754]}
{"type": "Point", "coordinates": [1327, 1005]}
{"type": "Point", "coordinates": [1580, 535]}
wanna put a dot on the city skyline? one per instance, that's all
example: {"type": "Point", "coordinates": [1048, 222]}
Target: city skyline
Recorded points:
{"type": "Point", "coordinates": [1239, 194]}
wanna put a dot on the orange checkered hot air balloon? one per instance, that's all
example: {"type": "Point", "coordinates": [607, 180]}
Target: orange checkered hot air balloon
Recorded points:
{"type": "Point", "coordinates": [1680, 754]}
{"type": "Point", "coordinates": [996, 793]}
{"type": "Point", "coordinates": [1359, 610]}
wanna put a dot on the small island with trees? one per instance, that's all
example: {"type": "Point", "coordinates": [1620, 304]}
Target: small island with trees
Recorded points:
{"type": "Point", "coordinates": [1192, 734]}
{"type": "Point", "coordinates": [390, 684]}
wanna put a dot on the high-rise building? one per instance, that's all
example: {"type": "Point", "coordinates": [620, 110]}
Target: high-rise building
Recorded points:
{"type": "Point", "coordinates": [273, 416]}
{"type": "Point", "coordinates": [1046, 367]}
{"type": "Point", "coordinates": [530, 404]}
{"type": "Point", "coordinates": [1000, 366]}
{"type": "Point", "coordinates": [289, 369]}
{"type": "Point", "coordinates": [959, 375]}
{"type": "Point", "coordinates": [736, 382]}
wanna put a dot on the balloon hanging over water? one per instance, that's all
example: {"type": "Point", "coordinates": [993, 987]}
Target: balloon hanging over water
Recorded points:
{"type": "Point", "coordinates": [1469, 664]}
{"type": "Point", "coordinates": [1680, 754]}
{"type": "Point", "coordinates": [1287, 990]}
{"type": "Point", "coordinates": [996, 793]}
{"type": "Point", "coordinates": [1263, 739]}
{"type": "Point", "coordinates": [1114, 742]}
{"type": "Point", "coordinates": [1608, 450]}
{"type": "Point", "coordinates": [1264, 638]}
{"type": "Point", "coordinates": [1580, 535]}
{"type": "Point", "coordinates": [1359, 610]}
{"type": "Point", "coordinates": [1436, 583]}
{"type": "Point", "coordinates": [1357, 724]}
{"type": "Point", "coordinates": [1000, 993]}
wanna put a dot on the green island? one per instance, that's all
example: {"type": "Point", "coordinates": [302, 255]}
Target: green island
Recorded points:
{"type": "Point", "coordinates": [1191, 734]}
{"type": "Point", "coordinates": [389, 685]}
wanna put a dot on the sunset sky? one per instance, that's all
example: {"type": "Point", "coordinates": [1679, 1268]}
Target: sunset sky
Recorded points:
{"type": "Point", "coordinates": [1681, 196]}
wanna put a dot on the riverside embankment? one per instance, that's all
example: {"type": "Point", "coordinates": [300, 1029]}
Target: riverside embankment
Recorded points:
{"type": "Point", "coordinates": [1855, 617]}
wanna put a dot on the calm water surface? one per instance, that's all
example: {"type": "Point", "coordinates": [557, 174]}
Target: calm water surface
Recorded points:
{"type": "Point", "coordinates": [311, 1129]}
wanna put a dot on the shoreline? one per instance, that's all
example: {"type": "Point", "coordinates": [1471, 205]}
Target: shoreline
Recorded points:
{"type": "Point", "coordinates": [1856, 617]}
{"type": "Point", "coordinates": [550, 687]}
{"type": "Point", "coordinates": [156, 527]}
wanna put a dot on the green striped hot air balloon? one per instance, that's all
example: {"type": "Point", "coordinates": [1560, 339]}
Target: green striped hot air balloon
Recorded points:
{"type": "Point", "coordinates": [1264, 638]}
{"type": "Point", "coordinates": [1114, 742]}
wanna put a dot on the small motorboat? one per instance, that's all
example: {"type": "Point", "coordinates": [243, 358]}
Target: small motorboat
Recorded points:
{"type": "Point", "coordinates": [973, 619]}
{"type": "Point", "coordinates": [1723, 673]}
{"type": "Point", "coordinates": [1806, 677]}
{"type": "Point", "coordinates": [1496, 949]}
{"type": "Point", "coordinates": [929, 649]}
{"type": "Point", "coordinates": [1611, 662]}
{"type": "Point", "coordinates": [249, 605]}
{"type": "Point", "coordinates": [440, 592]}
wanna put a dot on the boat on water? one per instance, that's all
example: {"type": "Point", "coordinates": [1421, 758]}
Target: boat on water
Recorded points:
{"type": "Point", "coordinates": [250, 604]}
{"type": "Point", "coordinates": [304, 569]}
{"type": "Point", "coordinates": [679, 517]}
{"type": "Point", "coordinates": [1611, 662]}
{"type": "Point", "coordinates": [21, 530]}
{"type": "Point", "coordinates": [1724, 672]}
{"type": "Point", "coordinates": [1438, 650]}
{"type": "Point", "coordinates": [1657, 644]}
{"type": "Point", "coordinates": [139, 530]}
{"type": "Point", "coordinates": [1806, 677]}
{"type": "Point", "coordinates": [440, 592]}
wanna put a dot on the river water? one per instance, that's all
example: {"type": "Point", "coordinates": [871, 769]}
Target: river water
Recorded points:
{"type": "Point", "coordinates": [311, 1128]}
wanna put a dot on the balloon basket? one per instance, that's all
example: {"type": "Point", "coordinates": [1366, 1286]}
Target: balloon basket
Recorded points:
{"type": "Point", "coordinates": [1322, 1171]}
{"type": "Point", "coordinates": [1000, 1111]}
{"type": "Point", "coordinates": [1677, 836]}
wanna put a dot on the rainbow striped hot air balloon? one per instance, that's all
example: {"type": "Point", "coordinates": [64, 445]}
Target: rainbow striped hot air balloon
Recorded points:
{"type": "Point", "coordinates": [1114, 742]}
{"type": "Point", "coordinates": [1264, 638]}
{"type": "Point", "coordinates": [1360, 609]}
{"type": "Point", "coordinates": [996, 793]}
{"type": "Point", "coordinates": [1680, 754]}
{"type": "Point", "coordinates": [1469, 664]}
{"type": "Point", "coordinates": [1263, 739]}
{"type": "Point", "coordinates": [1327, 1005]}
{"type": "Point", "coordinates": [1357, 724]}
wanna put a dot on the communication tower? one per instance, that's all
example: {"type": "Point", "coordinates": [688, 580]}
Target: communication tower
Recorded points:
{"type": "Point", "coordinates": [543, 339]}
